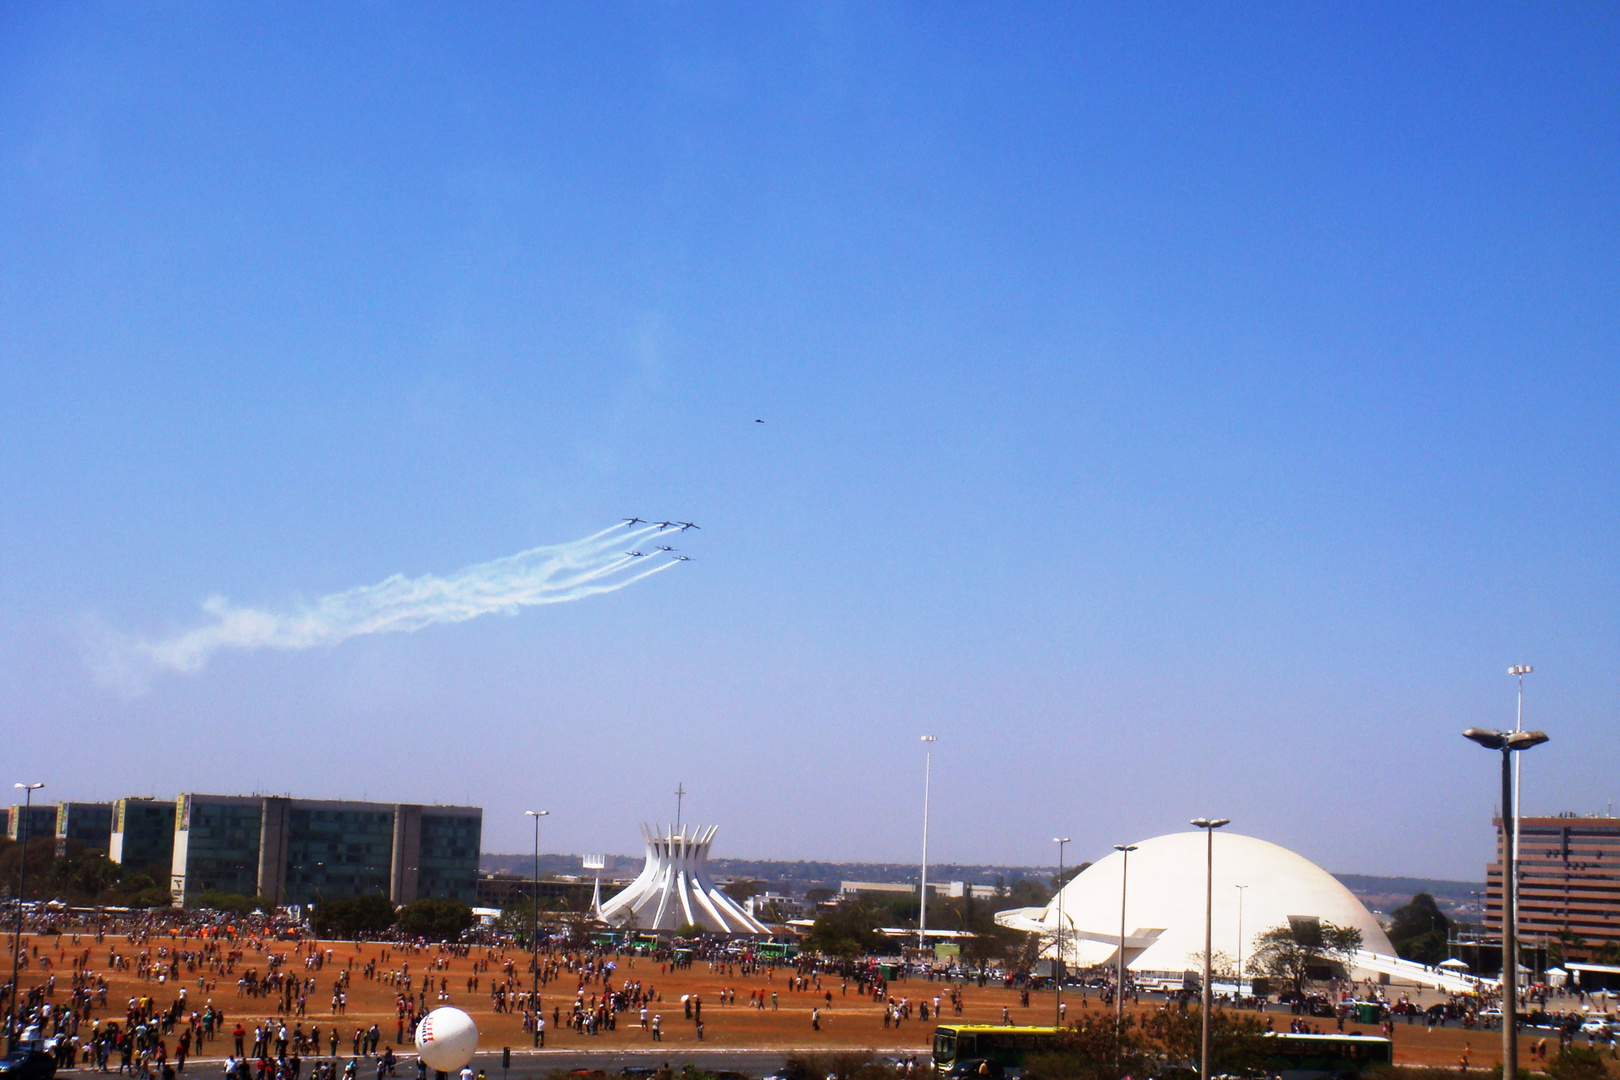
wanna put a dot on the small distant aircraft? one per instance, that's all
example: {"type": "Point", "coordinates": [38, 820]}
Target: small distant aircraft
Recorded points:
{"type": "Point", "coordinates": [662, 525]}
{"type": "Point", "coordinates": [636, 554]}
{"type": "Point", "coordinates": [687, 525]}
{"type": "Point", "coordinates": [759, 421]}
{"type": "Point", "coordinates": [631, 523]}
{"type": "Point", "coordinates": [683, 558]}
{"type": "Point", "coordinates": [665, 547]}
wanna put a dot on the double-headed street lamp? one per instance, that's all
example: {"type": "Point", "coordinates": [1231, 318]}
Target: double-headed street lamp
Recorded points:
{"type": "Point", "coordinates": [16, 935]}
{"type": "Point", "coordinates": [1508, 742]}
{"type": "Point", "coordinates": [928, 764]}
{"type": "Point", "coordinates": [534, 925]}
{"type": "Point", "coordinates": [1119, 987]}
{"type": "Point", "coordinates": [1057, 959]}
{"type": "Point", "coordinates": [1209, 825]}
{"type": "Point", "coordinates": [1240, 889]}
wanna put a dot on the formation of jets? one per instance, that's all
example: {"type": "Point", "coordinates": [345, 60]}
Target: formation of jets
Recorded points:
{"type": "Point", "coordinates": [678, 526]}
{"type": "Point", "coordinates": [682, 526]}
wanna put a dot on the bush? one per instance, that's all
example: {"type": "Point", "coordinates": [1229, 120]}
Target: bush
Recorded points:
{"type": "Point", "coordinates": [1577, 1063]}
{"type": "Point", "coordinates": [435, 920]}
{"type": "Point", "coordinates": [352, 918]}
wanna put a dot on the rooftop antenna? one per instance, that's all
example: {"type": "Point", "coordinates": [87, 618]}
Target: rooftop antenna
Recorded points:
{"type": "Point", "coordinates": [680, 796]}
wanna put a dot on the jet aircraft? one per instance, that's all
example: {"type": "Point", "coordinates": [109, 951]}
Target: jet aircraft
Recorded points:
{"type": "Point", "coordinates": [665, 547]}
{"type": "Point", "coordinates": [687, 525]}
{"type": "Point", "coordinates": [662, 525]}
{"type": "Point", "coordinates": [636, 554]}
{"type": "Point", "coordinates": [683, 558]}
{"type": "Point", "coordinates": [631, 523]}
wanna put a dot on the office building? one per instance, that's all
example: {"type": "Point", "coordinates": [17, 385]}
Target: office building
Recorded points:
{"type": "Point", "coordinates": [303, 851]}
{"type": "Point", "coordinates": [142, 836]}
{"type": "Point", "coordinates": [31, 821]}
{"type": "Point", "coordinates": [1569, 883]}
{"type": "Point", "coordinates": [88, 823]}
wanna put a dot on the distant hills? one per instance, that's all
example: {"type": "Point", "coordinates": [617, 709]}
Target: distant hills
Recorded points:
{"type": "Point", "coordinates": [1382, 894]}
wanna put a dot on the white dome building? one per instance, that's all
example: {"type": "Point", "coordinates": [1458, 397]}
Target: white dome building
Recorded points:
{"type": "Point", "coordinates": [1164, 903]}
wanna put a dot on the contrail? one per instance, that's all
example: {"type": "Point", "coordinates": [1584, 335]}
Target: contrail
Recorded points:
{"type": "Point", "coordinates": [597, 564]}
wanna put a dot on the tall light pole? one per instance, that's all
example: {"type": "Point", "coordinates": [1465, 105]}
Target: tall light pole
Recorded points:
{"type": "Point", "coordinates": [1059, 956]}
{"type": "Point", "coordinates": [1119, 981]}
{"type": "Point", "coordinates": [1508, 742]}
{"type": "Point", "coordinates": [1240, 889]}
{"type": "Point", "coordinates": [534, 926]}
{"type": "Point", "coordinates": [16, 935]}
{"type": "Point", "coordinates": [1518, 671]}
{"type": "Point", "coordinates": [928, 765]}
{"type": "Point", "coordinates": [1209, 825]}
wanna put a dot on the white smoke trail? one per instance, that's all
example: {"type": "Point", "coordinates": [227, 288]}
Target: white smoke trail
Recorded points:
{"type": "Point", "coordinates": [555, 574]}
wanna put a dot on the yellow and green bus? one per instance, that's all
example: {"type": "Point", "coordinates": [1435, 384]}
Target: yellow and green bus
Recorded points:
{"type": "Point", "coordinates": [1005, 1047]}
{"type": "Point", "coordinates": [1323, 1057]}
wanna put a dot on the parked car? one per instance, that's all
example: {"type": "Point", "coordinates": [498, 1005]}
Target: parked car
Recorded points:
{"type": "Point", "coordinates": [27, 1065]}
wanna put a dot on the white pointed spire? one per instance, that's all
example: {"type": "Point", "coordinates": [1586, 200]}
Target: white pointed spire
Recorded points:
{"type": "Point", "coordinates": [674, 888]}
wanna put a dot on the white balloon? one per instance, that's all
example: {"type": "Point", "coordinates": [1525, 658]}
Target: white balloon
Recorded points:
{"type": "Point", "coordinates": [446, 1039]}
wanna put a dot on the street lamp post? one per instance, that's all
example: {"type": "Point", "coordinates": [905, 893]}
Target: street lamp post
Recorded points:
{"type": "Point", "coordinates": [1518, 671]}
{"type": "Point", "coordinates": [1058, 956]}
{"type": "Point", "coordinates": [1119, 980]}
{"type": "Point", "coordinates": [1240, 889]}
{"type": "Point", "coordinates": [1209, 825]}
{"type": "Point", "coordinates": [16, 935]}
{"type": "Point", "coordinates": [928, 764]}
{"type": "Point", "coordinates": [534, 927]}
{"type": "Point", "coordinates": [1508, 742]}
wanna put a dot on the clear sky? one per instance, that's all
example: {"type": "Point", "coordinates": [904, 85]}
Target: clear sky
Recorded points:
{"type": "Point", "coordinates": [1179, 409]}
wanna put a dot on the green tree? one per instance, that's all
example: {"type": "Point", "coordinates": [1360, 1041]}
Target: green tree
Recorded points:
{"type": "Point", "coordinates": [741, 889]}
{"type": "Point", "coordinates": [689, 931]}
{"type": "Point", "coordinates": [1162, 1044]}
{"type": "Point", "coordinates": [231, 902]}
{"type": "Point", "coordinates": [1303, 950]}
{"type": "Point", "coordinates": [1577, 1063]}
{"type": "Point", "coordinates": [1068, 875]}
{"type": "Point", "coordinates": [1419, 930]}
{"type": "Point", "coordinates": [845, 930]}
{"type": "Point", "coordinates": [1028, 892]}
{"type": "Point", "coordinates": [352, 918]}
{"type": "Point", "coordinates": [435, 919]}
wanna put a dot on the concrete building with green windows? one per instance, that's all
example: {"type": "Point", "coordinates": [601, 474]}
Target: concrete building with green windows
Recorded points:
{"type": "Point", "coordinates": [303, 851]}
{"type": "Point", "coordinates": [31, 822]}
{"type": "Point", "coordinates": [142, 836]}
{"type": "Point", "coordinates": [216, 845]}
{"type": "Point", "coordinates": [88, 823]}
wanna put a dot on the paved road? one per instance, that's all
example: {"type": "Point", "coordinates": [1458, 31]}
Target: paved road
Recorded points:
{"type": "Point", "coordinates": [530, 1064]}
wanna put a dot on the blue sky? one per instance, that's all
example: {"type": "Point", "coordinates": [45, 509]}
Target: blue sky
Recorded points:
{"type": "Point", "coordinates": [1178, 409]}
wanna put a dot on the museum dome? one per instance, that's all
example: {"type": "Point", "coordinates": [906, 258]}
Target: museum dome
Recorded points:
{"type": "Point", "coordinates": [1164, 902]}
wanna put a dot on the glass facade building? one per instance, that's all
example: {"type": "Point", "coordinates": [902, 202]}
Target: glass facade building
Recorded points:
{"type": "Point", "coordinates": [143, 836]}
{"type": "Point", "coordinates": [88, 823]}
{"type": "Point", "coordinates": [31, 821]}
{"type": "Point", "coordinates": [304, 851]}
{"type": "Point", "coordinates": [216, 845]}
{"type": "Point", "coordinates": [449, 849]}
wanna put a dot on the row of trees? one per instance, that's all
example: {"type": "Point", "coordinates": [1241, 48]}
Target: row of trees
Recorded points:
{"type": "Point", "coordinates": [372, 916]}
{"type": "Point", "coordinates": [79, 876]}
